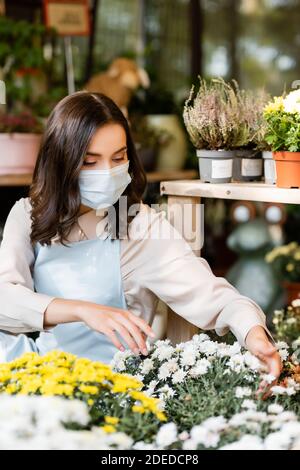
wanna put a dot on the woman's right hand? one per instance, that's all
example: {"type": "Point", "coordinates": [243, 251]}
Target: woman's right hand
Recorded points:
{"type": "Point", "coordinates": [111, 320]}
{"type": "Point", "coordinates": [103, 319]}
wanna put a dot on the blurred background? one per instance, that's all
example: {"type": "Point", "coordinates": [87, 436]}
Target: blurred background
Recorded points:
{"type": "Point", "coordinates": [148, 53]}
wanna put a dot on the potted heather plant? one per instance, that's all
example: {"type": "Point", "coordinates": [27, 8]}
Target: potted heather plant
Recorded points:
{"type": "Point", "coordinates": [248, 163]}
{"type": "Point", "coordinates": [20, 136]}
{"type": "Point", "coordinates": [212, 120]}
{"type": "Point", "coordinates": [282, 116]}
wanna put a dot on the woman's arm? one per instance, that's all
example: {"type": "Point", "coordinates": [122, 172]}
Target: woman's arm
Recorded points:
{"type": "Point", "coordinates": [165, 264]}
{"type": "Point", "coordinates": [23, 310]}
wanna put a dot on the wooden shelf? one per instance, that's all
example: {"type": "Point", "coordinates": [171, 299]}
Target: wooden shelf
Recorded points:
{"type": "Point", "coordinates": [169, 175]}
{"type": "Point", "coordinates": [16, 180]}
{"type": "Point", "coordinates": [255, 191]}
{"type": "Point", "coordinates": [152, 177]}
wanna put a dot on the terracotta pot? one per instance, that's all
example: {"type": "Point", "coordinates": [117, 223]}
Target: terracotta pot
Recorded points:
{"type": "Point", "coordinates": [287, 169]}
{"type": "Point", "coordinates": [292, 290]}
{"type": "Point", "coordinates": [18, 152]}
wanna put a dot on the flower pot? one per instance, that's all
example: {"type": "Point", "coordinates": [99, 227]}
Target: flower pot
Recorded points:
{"type": "Point", "coordinates": [292, 290]}
{"type": "Point", "coordinates": [172, 155]}
{"type": "Point", "coordinates": [288, 169]}
{"type": "Point", "coordinates": [215, 166]}
{"type": "Point", "coordinates": [269, 168]}
{"type": "Point", "coordinates": [247, 166]}
{"type": "Point", "coordinates": [18, 152]}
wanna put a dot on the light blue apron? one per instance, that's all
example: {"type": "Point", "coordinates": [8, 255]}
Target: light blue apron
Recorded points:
{"type": "Point", "coordinates": [85, 270]}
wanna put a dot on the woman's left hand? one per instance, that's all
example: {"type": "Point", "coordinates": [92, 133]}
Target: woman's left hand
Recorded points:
{"type": "Point", "coordinates": [258, 343]}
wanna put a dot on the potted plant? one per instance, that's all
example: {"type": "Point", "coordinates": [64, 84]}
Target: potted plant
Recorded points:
{"type": "Point", "coordinates": [285, 260]}
{"type": "Point", "coordinates": [248, 163]}
{"type": "Point", "coordinates": [158, 104]}
{"type": "Point", "coordinates": [20, 137]}
{"type": "Point", "coordinates": [282, 116]}
{"type": "Point", "coordinates": [148, 140]}
{"type": "Point", "coordinates": [212, 121]}
{"type": "Point", "coordinates": [25, 70]}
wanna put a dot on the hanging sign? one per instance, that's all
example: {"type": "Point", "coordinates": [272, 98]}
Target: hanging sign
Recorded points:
{"type": "Point", "coordinates": [68, 17]}
{"type": "Point", "coordinates": [2, 7]}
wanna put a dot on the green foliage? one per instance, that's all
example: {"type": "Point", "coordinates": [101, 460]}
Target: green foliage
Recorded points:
{"type": "Point", "coordinates": [286, 262]}
{"type": "Point", "coordinates": [283, 131]}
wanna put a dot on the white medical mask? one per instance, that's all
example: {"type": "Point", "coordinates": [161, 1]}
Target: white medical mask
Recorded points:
{"type": "Point", "coordinates": [100, 189]}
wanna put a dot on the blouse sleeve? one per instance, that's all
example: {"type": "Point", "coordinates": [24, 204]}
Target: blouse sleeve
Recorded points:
{"type": "Point", "coordinates": [21, 308]}
{"type": "Point", "coordinates": [165, 264]}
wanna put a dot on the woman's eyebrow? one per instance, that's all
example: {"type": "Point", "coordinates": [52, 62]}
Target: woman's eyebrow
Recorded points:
{"type": "Point", "coordinates": [95, 154]}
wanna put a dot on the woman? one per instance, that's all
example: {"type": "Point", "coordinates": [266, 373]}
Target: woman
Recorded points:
{"type": "Point", "coordinates": [90, 287]}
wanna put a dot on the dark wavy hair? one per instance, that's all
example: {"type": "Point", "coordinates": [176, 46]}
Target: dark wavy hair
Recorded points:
{"type": "Point", "coordinates": [54, 193]}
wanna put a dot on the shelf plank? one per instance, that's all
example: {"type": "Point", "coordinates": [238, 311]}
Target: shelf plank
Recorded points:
{"type": "Point", "coordinates": [168, 175]}
{"type": "Point", "coordinates": [16, 180]}
{"type": "Point", "coordinates": [256, 191]}
{"type": "Point", "coordinates": [152, 177]}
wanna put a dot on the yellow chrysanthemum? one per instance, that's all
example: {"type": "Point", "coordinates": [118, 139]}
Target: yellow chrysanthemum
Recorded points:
{"type": "Point", "coordinates": [108, 428]}
{"type": "Point", "coordinates": [274, 106]}
{"type": "Point", "coordinates": [111, 420]}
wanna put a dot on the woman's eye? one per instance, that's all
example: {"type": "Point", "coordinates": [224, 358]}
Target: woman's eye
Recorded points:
{"type": "Point", "coordinates": [119, 159]}
{"type": "Point", "coordinates": [89, 163]}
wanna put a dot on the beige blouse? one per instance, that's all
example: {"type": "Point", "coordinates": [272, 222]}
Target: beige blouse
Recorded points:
{"type": "Point", "coordinates": [155, 262]}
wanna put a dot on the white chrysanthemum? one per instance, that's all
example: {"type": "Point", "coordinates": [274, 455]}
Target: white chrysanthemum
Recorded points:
{"type": "Point", "coordinates": [164, 372]}
{"type": "Point", "coordinates": [183, 436]}
{"type": "Point", "coordinates": [275, 409]}
{"type": "Point", "coordinates": [119, 439]}
{"type": "Point", "coordinates": [284, 354]}
{"type": "Point", "coordinates": [277, 441]}
{"type": "Point", "coordinates": [241, 392]}
{"type": "Point", "coordinates": [291, 103]}
{"type": "Point", "coordinates": [201, 368]}
{"type": "Point", "coordinates": [166, 435]}
{"type": "Point", "coordinates": [236, 363]}
{"type": "Point", "coordinates": [189, 444]}
{"type": "Point", "coordinates": [146, 366]}
{"type": "Point", "coordinates": [279, 390]}
{"type": "Point", "coordinates": [247, 442]}
{"type": "Point", "coordinates": [200, 338]}
{"type": "Point", "coordinates": [172, 364]}
{"type": "Point", "coordinates": [167, 391]}
{"type": "Point", "coordinates": [208, 347]}
{"type": "Point", "coordinates": [282, 345]}
{"type": "Point", "coordinates": [215, 423]}
{"type": "Point", "coordinates": [296, 303]}
{"type": "Point", "coordinates": [268, 378]}
{"type": "Point", "coordinates": [163, 352]}
{"type": "Point", "coordinates": [141, 445]}
{"type": "Point", "coordinates": [249, 405]}
{"type": "Point", "coordinates": [202, 435]}
{"type": "Point", "coordinates": [179, 376]}
{"type": "Point", "coordinates": [188, 355]}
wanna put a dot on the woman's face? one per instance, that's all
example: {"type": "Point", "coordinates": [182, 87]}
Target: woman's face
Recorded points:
{"type": "Point", "coordinates": [107, 149]}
